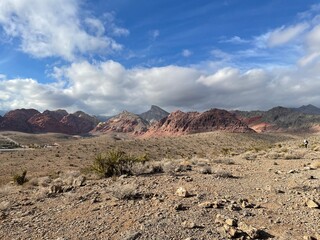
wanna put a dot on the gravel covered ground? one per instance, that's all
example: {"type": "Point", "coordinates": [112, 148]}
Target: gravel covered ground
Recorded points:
{"type": "Point", "coordinates": [265, 188]}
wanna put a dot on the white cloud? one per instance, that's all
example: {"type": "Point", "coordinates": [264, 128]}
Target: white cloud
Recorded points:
{"type": "Point", "coordinates": [186, 53]}
{"type": "Point", "coordinates": [53, 28]}
{"type": "Point", "coordinates": [113, 29]}
{"type": "Point", "coordinates": [236, 40]}
{"type": "Point", "coordinates": [284, 35]}
{"type": "Point", "coordinates": [108, 88]}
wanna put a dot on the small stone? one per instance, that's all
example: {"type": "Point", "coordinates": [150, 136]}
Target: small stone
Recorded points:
{"type": "Point", "coordinates": [56, 189]}
{"type": "Point", "coordinates": [251, 231]}
{"type": "Point", "coordinates": [312, 204]}
{"type": "Point", "coordinates": [220, 219]}
{"type": "Point", "coordinates": [189, 224]}
{"type": "Point", "coordinates": [180, 207]}
{"type": "Point", "coordinates": [206, 205]}
{"type": "Point", "coordinates": [79, 181]}
{"type": "Point", "coordinates": [133, 236]}
{"type": "Point", "coordinates": [218, 204]}
{"type": "Point", "coordinates": [309, 238]}
{"type": "Point", "coordinates": [234, 207]}
{"type": "Point", "coordinates": [231, 222]}
{"type": "Point", "coordinates": [182, 192]}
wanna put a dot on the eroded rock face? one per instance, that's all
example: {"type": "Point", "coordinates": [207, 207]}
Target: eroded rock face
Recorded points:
{"type": "Point", "coordinates": [48, 121]}
{"type": "Point", "coordinates": [124, 122]}
{"type": "Point", "coordinates": [154, 114]}
{"type": "Point", "coordinates": [178, 123]}
{"type": "Point", "coordinates": [17, 120]}
{"type": "Point", "coordinates": [59, 121]}
{"type": "Point", "coordinates": [77, 125]}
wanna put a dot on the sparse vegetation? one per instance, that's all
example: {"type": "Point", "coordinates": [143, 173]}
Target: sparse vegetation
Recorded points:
{"type": "Point", "coordinates": [116, 163]}
{"type": "Point", "coordinates": [20, 179]}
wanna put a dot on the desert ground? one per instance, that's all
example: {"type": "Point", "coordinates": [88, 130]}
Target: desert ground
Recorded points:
{"type": "Point", "coordinates": [202, 186]}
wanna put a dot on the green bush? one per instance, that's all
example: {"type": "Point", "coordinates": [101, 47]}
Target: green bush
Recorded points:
{"type": "Point", "coordinates": [116, 163]}
{"type": "Point", "coordinates": [20, 179]}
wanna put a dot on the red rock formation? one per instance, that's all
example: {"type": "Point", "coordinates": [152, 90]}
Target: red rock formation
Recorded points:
{"type": "Point", "coordinates": [124, 122]}
{"type": "Point", "coordinates": [48, 121]}
{"type": "Point", "coordinates": [59, 121]}
{"type": "Point", "coordinates": [74, 124]}
{"type": "Point", "coordinates": [17, 120]}
{"type": "Point", "coordinates": [178, 123]}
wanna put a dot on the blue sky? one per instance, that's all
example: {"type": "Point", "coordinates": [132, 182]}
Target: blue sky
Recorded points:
{"type": "Point", "coordinates": [105, 56]}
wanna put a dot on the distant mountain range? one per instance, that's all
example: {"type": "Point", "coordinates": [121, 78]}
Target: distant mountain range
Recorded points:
{"type": "Point", "coordinates": [59, 121]}
{"type": "Point", "coordinates": [158, 122]}
{"type": "Point", "coordinates": [281, 119]}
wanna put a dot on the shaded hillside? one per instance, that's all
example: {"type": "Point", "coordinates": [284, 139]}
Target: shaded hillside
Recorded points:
{"type": "Point", "coordinates": [154, 114]}
{"type": "Point", "coordinates": [124, 122]}
{"type": "Point", "coordinates": [178, 123]}
{"type": "Point", "coordinates": [17, 120]}
{"type": "Point", "coordinates": [59, 121]}
{"type": "Point", "coordinates": [280, 119]}
{"type": "Point", "coordinates": [308, 109]}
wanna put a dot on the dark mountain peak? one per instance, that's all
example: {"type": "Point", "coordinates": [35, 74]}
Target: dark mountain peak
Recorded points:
{"type": "Point", "coordinates": [154, 114]}
{"type": "Point", "coordinates": [308, 109]}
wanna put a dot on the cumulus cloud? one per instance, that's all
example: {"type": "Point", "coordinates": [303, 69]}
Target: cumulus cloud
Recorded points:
{"type": "Point", "coordinates": [108, 88]}
{"type": "Point", "coordinates": [54, 28]}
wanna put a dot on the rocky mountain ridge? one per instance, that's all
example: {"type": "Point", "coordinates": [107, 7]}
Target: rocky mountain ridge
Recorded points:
{"type": "Point", "coordinates": [178, 123]}
{"type": "Point", "coordinates": [281, 119]}
{"type": "Point", "coordinates": [59, 121]}
{"type": "Point", "coordinates": [124, 122]}
{"type": "Point", "coordinates": [157, 121]}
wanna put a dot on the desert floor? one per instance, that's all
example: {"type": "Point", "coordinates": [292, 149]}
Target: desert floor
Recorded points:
{"type": "Point", "coordinates": [212, 186]}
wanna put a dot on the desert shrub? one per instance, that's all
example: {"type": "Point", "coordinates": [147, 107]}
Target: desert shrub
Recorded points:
{"type": "Point", "coordinates": [226, 151]}
{"type": "Point", "coordinates": [115, 163]}
{"type": "Point", "coordinates": [223, 174]}
{"type": "Point", "coordinates": [205, 170]}
{"type": "Point", "coordinates": [226, 161]}
{"type": "Point", "coordinates": [293, 156]}
{"type": "Point", "coordinates": [126, 192]}
{"type": "Point", "coordinates": [20, 179]}
{"type": "Point", "coordinates": [250, 157]}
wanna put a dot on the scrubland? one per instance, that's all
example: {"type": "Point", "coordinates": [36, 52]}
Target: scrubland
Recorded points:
{"type": "Point", "coordinates": [202, 186]}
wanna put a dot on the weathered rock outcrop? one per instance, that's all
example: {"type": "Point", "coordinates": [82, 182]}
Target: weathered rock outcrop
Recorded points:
{"type": "Point", "coordinates": [281, 119]}
{"type": "Point", "coordinates": [178, 123]}
{"type": "Point", "coordinates": [124, 122]}
{"type": "Point", "coordinates": [17, 120]}
{"type": "Point", "coordinates": [59, 121]}
{"type": "Point", "coordinates": [154, 114]}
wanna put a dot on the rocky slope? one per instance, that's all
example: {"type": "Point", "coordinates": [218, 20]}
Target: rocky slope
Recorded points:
{"type": "Point", "coordinates": [265, 188]}
{"type": "Point", "coordinates": [154, 114]}
{"type": "Point", "coordinates": [59, 121]}
{"type": "Point", "coordinates": [178, 123]}
{"type": "Point", "coordinates": [308, 109]}
{"type": "Point", "coordinates": [281, 119]}
{"type": "Point", "coordinates": [124, 122]}
{"type": "Point", "coordinates": [17, 120]}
